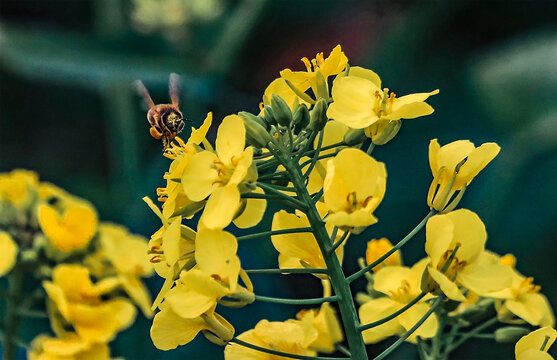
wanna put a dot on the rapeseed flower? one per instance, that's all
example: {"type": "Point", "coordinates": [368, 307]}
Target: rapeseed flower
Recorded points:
{"type": "Point", "coordinates": [535, 346]}
{"type": "Point", "coordinates": [379, 247]}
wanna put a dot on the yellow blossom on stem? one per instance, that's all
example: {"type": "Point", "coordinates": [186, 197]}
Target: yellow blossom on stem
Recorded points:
{"type": "Point", "coordinates": [359, 102]}
{"type": "Point", "coordinates": [453, 167]}
{"type": "Point", "coordinates": [69, 224]}
{"type": "Point", "coordinates": [535, 346]}
{"type": "Point", "coordinates": [379, 247]}
{"type": "Point", "coordinates": [69, 347]}
{"type": "Point", "coordinates": [286, 337]}
{"type": "Point", "coordinates": [222, 175]}
{"type": "Point", "coordinates": [80, 304]}
{"type": "Point", "coordinates": [8, 253]}
{"type": "Point", "coordinates": [280, 87]}
{"type": "Point", "coordinates": [299, 250]}
{"type": "Point", "coordinates": [353, 188]}
{"type": "Point", "coordinates": [400, 285]}
{"type": "Point", "coordinates": [455, 243]}
{"type": "Point", "coordinates": [317, 72]}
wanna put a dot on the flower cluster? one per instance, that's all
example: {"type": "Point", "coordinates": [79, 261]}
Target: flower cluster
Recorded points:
{"type": "Point", "coordinates": [308, 151]}
{"type": "Point", "coordinates": [90, 271]}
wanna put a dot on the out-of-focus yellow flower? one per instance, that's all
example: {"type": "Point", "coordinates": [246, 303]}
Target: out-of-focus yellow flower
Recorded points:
{"type": "Point", "coordinates": [281, 336]}
{"type": "Point", "coordinates": [8, 253]}
{"type": "Point", "coordinates": [70, 347]}
{"type": "Point", "coordinates": [125, 253]}
{"type": "Point", "coordinates": [80, 304]}
{"type": "Point", "coordinates": [175, 200]}
{"type": "Point", "coordinates": [334, 64]}
{"type": "Point", "coordinates": [360, 103]}
{"type": "Point", "coordinates": [453, 167]}
{"type": "Point", "coordinates": [221, 176]}
{"type": "Point", "coordinates": [353, 188]}
{"type": "Point", "coordinates": [69, 225]}
{"type": "Point", "coordinates": [18, 187]}
{"type": "Point", "coordinates": [455, 243]}
{"type": "Point", "coordinates": [299, 250]}
{"type": "Point", "coordinates": [401, 285]}
{"type": "Point", "coordinates": [325, 323]}
{"type": "Point", "coordinates": [531, 346]}
{"type": "Point", "coordinates": [379, 247]}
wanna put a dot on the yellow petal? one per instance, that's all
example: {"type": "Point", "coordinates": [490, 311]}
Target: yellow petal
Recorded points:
{"type": "Point", "coordinates": [439, 237]}
{"type": "Point", "coordinates": [410, 317]}
{"type": "Point", "coordinates": [221, 207]}
{"type": "Point", "coordinates": [388, 279]}
{"type": "Point", "coordinates": [532, 354]}
{"type": "Point", "coordinates": [533, 308]}
{"type": "Point", "coordinates": [448, 287]}
{"type": "Point", "coordinates": [215, 253]}
{"type": "Point", "coordinates": [469, 231]}
{"type": "Point", "coordinates": [484, 279]}
{"type": "Point", "coordinates": [377, 309]}
{"type": "Point", "coordinates": [190, 302]}
{"type": "Point", "coordinates": [353, 99]}
{"type": "Point", "coordinates": [231, 138]}
{"type": "Point", "coordinates": [170, 330]}
{"type": "Point", "coordinates": [253, 211]}
{"type": "Point", "coordinates": [477, 160]}
{"type": "Point", "coordinates": [197, 136]}
{"type": "Point", "coordinates": [200, 175]}
{"type": "Point", "coordinates": [379, 247]}
{"type": "Point", "coordinates": [171, 241]}
{"type": "Point", "coordinates": [8, 253]}
{"type": "Point", "coordinates": [139, 294]}
{"type": "Point", "coordinates": [534, 341]}
{"type": "Point", "coordinates": [434, 148]}
{"type": "Point", "coordinates": [361, 72]}
{"type": "Point", "coordinates": [411, 111]}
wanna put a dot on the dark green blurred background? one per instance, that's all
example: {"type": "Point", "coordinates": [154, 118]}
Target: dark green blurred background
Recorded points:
{"type": "Point", "coordinates": [67, 110]}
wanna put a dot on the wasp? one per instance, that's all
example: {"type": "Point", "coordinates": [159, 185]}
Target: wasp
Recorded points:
{"type": "Point", "coordinates": [166, 120]}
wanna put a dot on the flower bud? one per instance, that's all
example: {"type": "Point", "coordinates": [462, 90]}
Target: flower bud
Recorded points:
{"type": "Point", "coordinates": [510, 334]}
{"type": "Point", "coordinates": [281, 110]}
{"type": "Point", "coordinates": [318, 116]}
{"type": "Point", "coordinates": [354, 136]}
{"type": "Point", "coordinates": [258, 119]}
{"type": "Point", "coordinates": [269, 116]}
{"type": "Point", "coordinates": [321, 86]}
{"type": "Point", "coordinates": [256, 134]}
{"type": "Point", "coordinates": [300, 117]}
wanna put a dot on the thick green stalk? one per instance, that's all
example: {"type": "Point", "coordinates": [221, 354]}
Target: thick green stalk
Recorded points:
{"type": "Point", "coordinates": [338, 280]}
{"type": "Point", "coordinates": [11, 317]}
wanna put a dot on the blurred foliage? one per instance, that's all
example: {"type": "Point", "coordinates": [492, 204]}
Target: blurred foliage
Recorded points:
{"type": "Point", "coordinates": [67, 111]}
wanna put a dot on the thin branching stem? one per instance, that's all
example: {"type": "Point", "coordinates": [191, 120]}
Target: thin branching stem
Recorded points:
{"type": "Point", "coordinates": [395, 314]}
{"type": "Point", "coordinates": [339, 241]}
{"type": "Point", "coordinates": [316, 156]}
{"type": "Point", "coordinates": [284, 354]}
{"type": "Point", "coordinates": [312, 301]}
{"type": "Point", "coordinates": [266, 234]}
{"type": "Point", "coordinates": [472, 333]}
{"type": "Point", "coordinates": [288, 271]}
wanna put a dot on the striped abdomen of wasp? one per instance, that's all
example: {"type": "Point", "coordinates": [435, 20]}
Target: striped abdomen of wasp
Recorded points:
{"type": "Point", "coordinates": [166, 120]}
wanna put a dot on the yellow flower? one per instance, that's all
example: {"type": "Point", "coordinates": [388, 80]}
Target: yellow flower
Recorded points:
{"type": "Point", "coordinates": [70, 347]}
{"type": "Point", "coordinates": [521, 298]}
{"type": "Point", "coordinates": [325, 324]}
{"type": "Point", "coordinates": [175, 200]}
{"type": "Point", "coordinates": [221, 176]}
{"type": "Point", "coordinates": [453, 167]}
{"type": "Point", "coordinates": [69, 222]}
{"type": "Point", "coordinates": [126, 255]}
{"type": "Point", "coordinates": [531, 346]}
{"type": "Point", "coordinates": [299, 250]}
{"type": "Point", "coordinates": [334, 64]}
{"type": "Point", "coordinates": [455, 243]}
{"type": "Point", "coordinates": [360, 103]}
{"type": "Point", "coordinates": [377, 248]}
{"type": "Point", "coordinates": [400, 285]}
{"type": "Point", "coordinates": [18, 187]}
{"type": "Point", "coordinates": [280, 87]}
{"type": "Point", "coordinates": [8, 253]}
{"type": "Point", "coordinates": [80, 304]}
{"type": "Point", "coordinates": [353, 188]}
{"type": "Point", "coordinates": [281, 336]}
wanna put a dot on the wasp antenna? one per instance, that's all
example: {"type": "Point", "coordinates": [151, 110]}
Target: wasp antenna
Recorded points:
{"type": "Point", "coordinates": [174, 88]}
{"type": "Point", "coordinates": [144, 93]}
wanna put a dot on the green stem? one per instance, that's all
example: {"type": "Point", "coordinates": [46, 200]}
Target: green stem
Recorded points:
{"type": "Point", "coordinates": [339, 241]}
{"type": "Point", "coordinates": [338, 281]}
{"type": "Point", "coordinates": [403, 338]}
{"type": "Point", "coordinates": [370, 148]}
{"type": "Point", "coordinates": [281, 198]}
{"type": "Point", "coordinates": [393, 315]}
{"type": "Point", "coordinates": [394, 248]}
{"type": "Point", "coordinates": [316, 156]}
{"type": "Point", "coordinates": [312, 301]}
{"type": "Point", "coordinates": [472, 333]}
{"type": "Point", "coordinates": [287, 271]}
{"type": "Point", "coordinates": [273, 191]}
{"type": "Point", "coordinates": [274, 232]}
{"type": "Point", "coordinates": [280, 353]}
{"type": "Point", "coordinates": [11, 318]}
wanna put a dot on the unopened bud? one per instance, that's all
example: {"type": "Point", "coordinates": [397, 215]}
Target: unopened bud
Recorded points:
{"type": "Point", "coordinates": [269, 116]}
{"type": "Point", "coordinates": [354, 137]}
{"type": "Point", "coordinates": [322, 88]}
{"type": "Point", "coordinates": [300, 117]}
{"type": "Point", "coordinates": [510, 334]}
{"type": "Point", "coordinates": [256, 134]}
{"type": "Point", "coordinates": [318, 116]}
{"type": "Point", "coordinates": [281, 110]}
